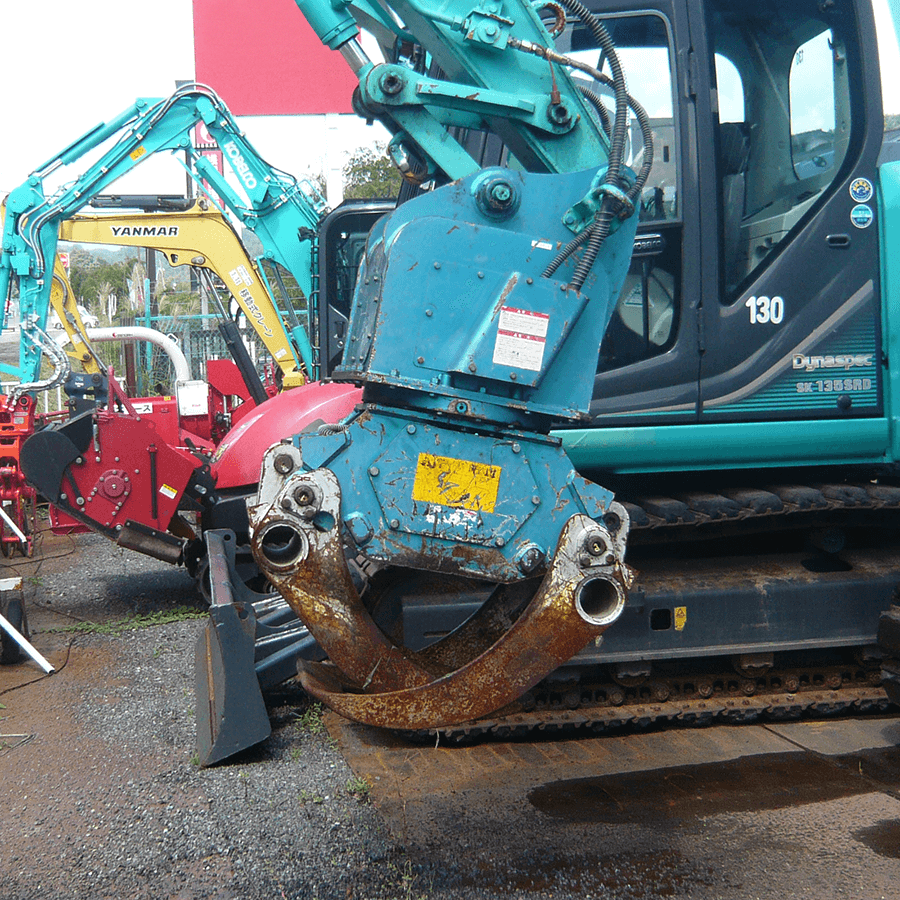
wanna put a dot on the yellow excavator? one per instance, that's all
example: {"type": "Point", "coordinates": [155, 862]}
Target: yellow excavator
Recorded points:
{"type": "Point", "coordinates": [202, 237]}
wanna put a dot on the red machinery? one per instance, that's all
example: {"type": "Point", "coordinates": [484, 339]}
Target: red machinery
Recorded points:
{"type": "Point", "coordinates": [18, 518]}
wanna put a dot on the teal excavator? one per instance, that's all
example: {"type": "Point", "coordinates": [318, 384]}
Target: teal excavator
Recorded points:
{"type": "Point", "coordinates": [681, 289]}
{"type": "Point", "coordinates": [623, 443]}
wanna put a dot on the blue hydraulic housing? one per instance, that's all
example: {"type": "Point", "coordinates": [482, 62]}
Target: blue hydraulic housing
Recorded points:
{"type": "Point", "coordinates": [446, 468]}
{"type": "Point", "coordinates": [483, 335]}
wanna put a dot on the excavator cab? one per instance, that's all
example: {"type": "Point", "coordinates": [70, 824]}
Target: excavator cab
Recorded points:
{"type": "Point", "coordinates": [759, 233]}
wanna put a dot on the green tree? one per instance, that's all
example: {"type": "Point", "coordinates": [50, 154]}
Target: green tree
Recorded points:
{"type": "Point", "coordinates": [370, 173]}
{"type": "Point", "coordinates": [93, 278]}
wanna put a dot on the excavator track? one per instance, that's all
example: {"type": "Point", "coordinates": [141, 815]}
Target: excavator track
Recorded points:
{"type": "Point", "coordinates": [655, 518]}
{"type": "Point", "coordinates": [712, 696]}
{"type": "Point", "coordinates": [714, 690]}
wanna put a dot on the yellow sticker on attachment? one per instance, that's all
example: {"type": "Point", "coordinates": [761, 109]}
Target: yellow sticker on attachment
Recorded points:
{"type": "Point", "coordinates": [457, 483]}
{"type": "Point", "coordinates": [680, 617]}
{"type": "Point", "coordinates": [138, 152]}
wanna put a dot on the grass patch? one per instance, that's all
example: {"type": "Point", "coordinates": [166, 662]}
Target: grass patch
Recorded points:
{"type": "Point", "coordinates": [312, 719]}
{"type": "Point", "coordinates": [359, 789]}
{"type": "Point", "coordinates": [132, 623]}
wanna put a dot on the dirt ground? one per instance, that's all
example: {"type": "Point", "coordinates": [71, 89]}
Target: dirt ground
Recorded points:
{"type": "Point", "coordinates": [103, 798]}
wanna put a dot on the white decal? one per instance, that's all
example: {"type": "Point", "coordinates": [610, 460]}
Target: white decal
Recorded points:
{"type": "Point", "coordinates": [839, 385]}
{"type": "Point", "coordinates": [521, 338]}
{"type": "Point", "coordinates": [240, 164]}
{"type": "Point", "coordinates": [765, 309]}
{"type": "Point", "coordinates": [169, 492]}
{"type": "Point", "coordinates": [845, 361]}
{"type": "Point", "coordinates": [241, 275]}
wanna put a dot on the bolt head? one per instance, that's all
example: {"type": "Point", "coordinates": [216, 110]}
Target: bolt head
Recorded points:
{"type": "Point", "coordinates": [283, 464]}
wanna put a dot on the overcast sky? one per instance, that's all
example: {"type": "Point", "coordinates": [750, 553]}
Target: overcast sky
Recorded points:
{"type": "Point", "coordinates": [71, 65]}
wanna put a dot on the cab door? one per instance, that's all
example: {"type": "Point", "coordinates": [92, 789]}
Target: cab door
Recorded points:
{"type": "Point", "coordinates": [790, 314]}
{"type": "Point", "coordinates": [649, 357]}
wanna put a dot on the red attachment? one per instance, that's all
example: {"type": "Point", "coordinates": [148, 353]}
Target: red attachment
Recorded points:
{"type": "Point", "coordinates": [16, 495]}
{"type": "Point", "coordinates": [239, 457]}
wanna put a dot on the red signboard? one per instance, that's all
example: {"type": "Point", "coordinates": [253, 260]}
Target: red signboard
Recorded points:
{"type": "Point", "coordinates": [263, 59]}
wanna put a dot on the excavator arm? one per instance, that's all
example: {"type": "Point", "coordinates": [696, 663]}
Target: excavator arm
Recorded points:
{"type": "Point", "coordinates": [281, 210]}
{"type": "Point", "coordinates": [202, 237]}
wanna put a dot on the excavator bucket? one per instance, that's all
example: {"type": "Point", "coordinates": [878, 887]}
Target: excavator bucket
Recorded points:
{"type": "Point", "coordinates": [231, 712]}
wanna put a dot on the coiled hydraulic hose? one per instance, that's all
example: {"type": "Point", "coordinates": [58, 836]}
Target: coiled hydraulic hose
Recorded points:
{"type": "Point", "coordinates": [618, 195]}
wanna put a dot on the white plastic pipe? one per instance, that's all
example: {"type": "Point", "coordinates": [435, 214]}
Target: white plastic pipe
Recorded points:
{"type": "Point", "coordinates": [7, 626]}
{"type": "Point", "coordinates": [135, 333]}
{"type": "Point", "coordinates": [12, 526]}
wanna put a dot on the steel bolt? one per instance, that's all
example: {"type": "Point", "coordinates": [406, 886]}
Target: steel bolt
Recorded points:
{"type": "Point", "coordinates": [410, 429]}
{"type": "Point", "coordinates": [516, 448]}
{"type": "Point", "coordinates": [394, 523]}
{"type": "Point", "coordinates": [501, 194]}
{"type": "Point", "coordinates": [283, 464]}
{"type": "Point", "coordinates": [391, 83]}
{"type": "Point", "coordinates": [286, 503]}
{"type": "Point", "coordinates": [499, 542]}
{"type": "Point", "coordinates": [473, 367]}
{"type": "Point", "coordinates": [596, 545]}
{"type": "Point", "coordinates": [558, 114]}
{"type": "Point", "coordinates": [303, 496]}
{"type": "Point", "coordinates": [374, 471]}
{"type": "Point", "coordinates": [420, 360]}
{"type": "Point", "coordinates": [80, 501]}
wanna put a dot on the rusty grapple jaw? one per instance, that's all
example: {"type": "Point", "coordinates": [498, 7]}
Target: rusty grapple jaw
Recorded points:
{"type": "Point", "coordinates": [296, 539]}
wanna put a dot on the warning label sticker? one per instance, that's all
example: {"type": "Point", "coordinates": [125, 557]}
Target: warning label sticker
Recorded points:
{"type": "Point", "coordinates": [458, 483]}
{"type": "Point", "coordinates": [521, 338]}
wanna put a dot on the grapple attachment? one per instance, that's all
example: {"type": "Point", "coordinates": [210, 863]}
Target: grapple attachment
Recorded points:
{"type": "Point", "coordinates": [491, 660]}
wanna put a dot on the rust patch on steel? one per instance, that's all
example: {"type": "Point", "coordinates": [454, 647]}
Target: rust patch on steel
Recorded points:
{"type": "Point", "coordinates": [548, 633]}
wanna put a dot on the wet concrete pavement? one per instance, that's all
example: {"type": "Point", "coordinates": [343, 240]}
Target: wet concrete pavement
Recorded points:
{"type": "Point", "coordinates": [802, 810]}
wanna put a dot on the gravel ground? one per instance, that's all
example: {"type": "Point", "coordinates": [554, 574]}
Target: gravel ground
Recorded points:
{"type": "Point", "coordinates": [105, 798]}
